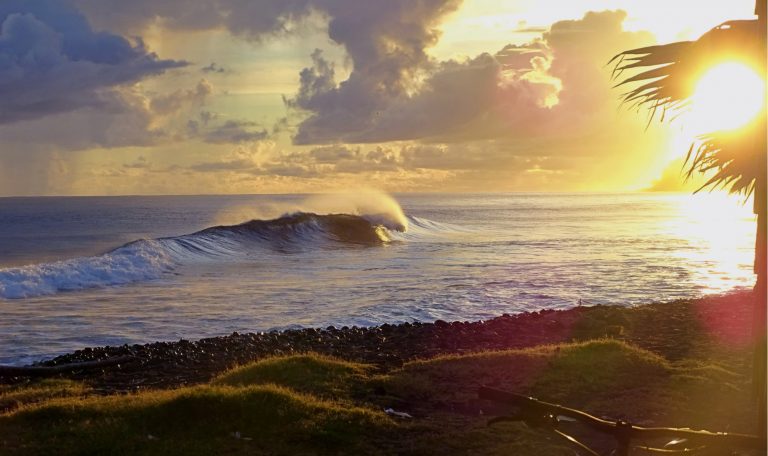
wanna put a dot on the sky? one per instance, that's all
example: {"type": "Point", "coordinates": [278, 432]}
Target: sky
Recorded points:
{"type": "Point", "coordinates": [108, 97]}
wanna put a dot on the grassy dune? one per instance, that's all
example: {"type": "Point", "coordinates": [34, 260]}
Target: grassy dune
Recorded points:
{"type": "Point", "coordinates": [310, 404]}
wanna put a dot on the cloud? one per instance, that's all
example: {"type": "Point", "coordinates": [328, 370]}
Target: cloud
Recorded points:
{"type": "Point", "coordinates": [128, 117]}
{"type": "Point", "coordinates": [354, 160]}
{"type": "Point", "coordinates": [265, 158]}
{"type": "Point", "coordinates": [232, 131]}
{"type": "Point", "coordinates": [524, 117]}
{"type": "Point", "coordinates": [477, 166]}
{"type": "Point", "coordinates": [51, 61]}
{"type": "Point", "coordinates": [123, 120]}
{"type": "Point", "coordinates": [140, 163]}
{"type": "Point", "coordinates": [213, 68]}
{"type": "Point", "coordinates": [177, 100]}
{"type": "Point", "coordinates": [133, 17]}
{"type": "Point", "coordinates": [333, 154]}
{"type": "Point", "coordinates": [242, 165]}
{"type": "Point", "coordinates": [235, 131]}
{"type": "Point", "coordinates": [516, 57]}
{"type": "Point", "coordinates": [258, 159]}
{"type": "Point", "coordinates": [132, 117]}
{"type": "Point", "coordinates": [386, 43]}
{"type": "Point", "coordinates": [394, 89]}
{"type": "Point", "coordinates": [554, 85]}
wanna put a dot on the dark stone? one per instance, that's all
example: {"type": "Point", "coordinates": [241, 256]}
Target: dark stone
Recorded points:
{"type": "Point", "coordinates": [171, 364]}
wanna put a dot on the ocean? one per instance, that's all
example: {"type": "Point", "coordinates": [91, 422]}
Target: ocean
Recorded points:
{"type": "Point", "coordinates": [92, 271]}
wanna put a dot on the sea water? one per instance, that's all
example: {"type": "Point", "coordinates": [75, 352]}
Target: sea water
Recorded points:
{"type": "Point", "coordinates": [90, 271]}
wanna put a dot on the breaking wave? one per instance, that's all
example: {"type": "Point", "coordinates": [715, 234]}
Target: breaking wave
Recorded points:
{"type": "Point", "coordinates": [139, 260]}
{"type": "Point", "coordinates": [148, 259]}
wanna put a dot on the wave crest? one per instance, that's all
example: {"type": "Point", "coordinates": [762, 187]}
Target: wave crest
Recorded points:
{"type": "Point", "coordinates": [148, 259]}
{"type": "Point", "coordinates": [302, 229]}
{"type": "Point", "coordinates": [139, 260]}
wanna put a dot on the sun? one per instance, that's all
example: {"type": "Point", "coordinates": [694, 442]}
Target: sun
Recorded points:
{"type": "Point", "coordinates": [726, 97]}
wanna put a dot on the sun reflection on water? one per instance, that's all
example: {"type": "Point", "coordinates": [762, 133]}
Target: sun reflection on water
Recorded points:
{"type": "Point", "coordinates": [713, 228]}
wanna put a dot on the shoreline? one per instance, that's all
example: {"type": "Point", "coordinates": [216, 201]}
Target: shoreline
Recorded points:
{"type": "Point", "coordinates": [161, 365]}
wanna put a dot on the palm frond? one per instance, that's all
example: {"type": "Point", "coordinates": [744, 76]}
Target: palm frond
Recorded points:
{"type": "Point", "coordinates": [737, 159]}
{"type": "Point", "coordinates": [668, 72]}
{"type": "Point", "coordinates": [662, 79]}
{"type": "Point", "coordinates": [663, 68]}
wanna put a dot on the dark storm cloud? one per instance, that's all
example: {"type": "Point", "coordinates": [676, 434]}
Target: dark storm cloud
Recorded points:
{"type": "Point", "coordinates": [51, 61]}
{"type": "Point", "coordinates": [458, 101]}
{"type": "Point", "coordinates": [502, 95]}
{"type": "Point", "coordinates": [123, 119]}
{"type": "Point", "coordinates": [386, 42]}
{"type": "Point", "coordinates": [126, 117]}
{"type": "Point", "coordinates": [249, 18]}
{"type": "Point", "coordinates": [395, 90]}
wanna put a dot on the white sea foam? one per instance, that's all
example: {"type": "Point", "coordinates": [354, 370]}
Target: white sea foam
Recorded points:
{"type": "Point", "coordinates": [374, 205]}
{"type": "Point", "coordinates": [150, 259]}
{"type": "Point", "coordinates": [140, 260]}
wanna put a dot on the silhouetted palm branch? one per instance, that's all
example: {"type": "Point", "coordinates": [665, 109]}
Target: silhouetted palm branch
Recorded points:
{"type": "Point", "coordinates": [666, 81]}
{"type": "Point", "coordinates": [664, 84]}
{"type": "Point", "coordinates": [737, 159]}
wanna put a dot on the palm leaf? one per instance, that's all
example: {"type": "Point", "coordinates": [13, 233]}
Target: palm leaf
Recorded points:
{"type": "Point", "coordinates": [737, 158]}
{"type": "Point", "coordinates": [663, 80]}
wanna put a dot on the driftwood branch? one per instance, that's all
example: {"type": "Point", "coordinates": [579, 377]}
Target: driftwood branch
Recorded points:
{"type": "Point", "coordinates": [49, 371]}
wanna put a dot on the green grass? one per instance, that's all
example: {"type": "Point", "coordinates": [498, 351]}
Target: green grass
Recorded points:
{"type": "Point", "coordinates": [312, 404]}
{"type": "Point", "coordinates": [577, 372]}
{"type": "Point", "coordinates": [13, 397]}
{"type": "Point", "coordinates": [315, 374]}
{"type": "Point", "coordinates": [198, 420]}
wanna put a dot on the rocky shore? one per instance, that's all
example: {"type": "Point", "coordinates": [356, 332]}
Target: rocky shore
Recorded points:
{"type": "Point", "coordinates": [173, 364]}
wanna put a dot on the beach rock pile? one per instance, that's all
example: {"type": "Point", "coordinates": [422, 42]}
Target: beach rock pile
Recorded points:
{"type": "Point", "coordinates": [184, 362]}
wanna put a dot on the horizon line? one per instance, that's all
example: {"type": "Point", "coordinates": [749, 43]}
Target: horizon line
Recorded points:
{"type": "Point", "coordinates": [490, 192]}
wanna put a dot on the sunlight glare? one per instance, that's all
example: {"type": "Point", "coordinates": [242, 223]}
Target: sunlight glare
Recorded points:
{"type": "Point", "coordinates": [726, 97]}
{"type": "Point", "coordinates": [713, 227]}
